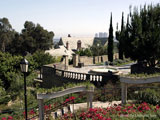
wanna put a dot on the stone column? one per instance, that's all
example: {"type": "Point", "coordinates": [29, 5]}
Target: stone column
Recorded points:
{"type": "Point", "coordinates": [90, 98]}
{"type": "Point", "coordinates": [41, 109]}
{"type": "Point", "coordinates": [75, 60]}
{"type": "Point", "coordinates": [124, 93]}
{"type": "Point", "coordinates": [66, 62]}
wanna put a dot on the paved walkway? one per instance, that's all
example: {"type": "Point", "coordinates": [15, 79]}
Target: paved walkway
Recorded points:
{"type": "Point", "coordinates": [95, 105]}
{"type": "Point", "coordinates": [125, 69]}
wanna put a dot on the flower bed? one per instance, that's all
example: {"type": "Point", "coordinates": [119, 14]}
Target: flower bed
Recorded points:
{"type": "Point", "coordinates": [118, 112]}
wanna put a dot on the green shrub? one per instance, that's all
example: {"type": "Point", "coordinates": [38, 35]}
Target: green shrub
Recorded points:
{"type": "Point", "coordinates": [5, 99]}
{"type": "Point", "coordinates": [150, 96]}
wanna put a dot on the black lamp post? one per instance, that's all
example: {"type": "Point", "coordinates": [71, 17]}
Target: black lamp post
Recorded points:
{"type": "Point", "coordinates": [24, 69]}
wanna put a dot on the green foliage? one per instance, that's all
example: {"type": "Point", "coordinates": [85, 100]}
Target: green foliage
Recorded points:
{"type": "Point", "coordinates": [6, 33]}
{"type": "Point", "coordinates": [65, 86]}
{"type": "Point", "coordinates": [84, 52]}
{"type": "Point", "coordinates": [150, 96]}
{"type": "Point", "coordinates": [94, 50]}
{"type": "Point", "coordinates": [9, 66]}
{"type": "Point", "coordinates": [41, 58]}
{"type": "Point", "coordinates": [127, 42]}
{"type": "Point", "coordinates": [110, 41]}
{"type": "Point", "coordinates": [121, 39]}
{"type": "Point", "coordinates": [11, 81]}
{"type": "Point", "coordinates": [142, 35]}
{"type": "Point", "coordinates": [143, 75]}
{"type": "Point", "coordinates": [119, 62]}
{"type": "Point", "coordinates": [35, 37]}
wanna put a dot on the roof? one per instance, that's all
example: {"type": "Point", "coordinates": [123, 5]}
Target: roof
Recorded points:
{"type": "Point", "coordinates": [60, 51]}
{"type": "Point", "coordinates": [85, 41]}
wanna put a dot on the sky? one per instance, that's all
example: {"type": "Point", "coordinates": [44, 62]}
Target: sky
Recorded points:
{"type": "Point", "coordinates": [80, 18]}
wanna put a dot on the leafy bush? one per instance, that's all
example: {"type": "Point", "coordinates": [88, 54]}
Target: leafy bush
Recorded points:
{"type": "Point", "coordinates": [84, 52]}
{"type": "Point", "coordinates": [150, 96]}
{"type": "Point", "coordinates": [41, 58]}
{"type": "Point", "coordinates": [119, 62]}
{"type": "Point", "coordinates": [5, 99]}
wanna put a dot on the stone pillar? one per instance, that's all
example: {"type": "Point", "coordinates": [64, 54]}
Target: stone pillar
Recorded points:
{"type": "Point", "coordinates": [90, 98]}
{"type": "Point", "coordinates": [41, 109]}
{"type": "Point", "coordinates": [67, 45]}
{"type": "Point", "coordinates": [66, 62]}
{"type": "Point", "coordinates": [123, 93]}
{"type": "Point", "coordinates": [75, 60]}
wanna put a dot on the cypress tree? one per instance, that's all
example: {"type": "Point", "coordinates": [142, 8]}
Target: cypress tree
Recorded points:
{"type": "Point", "coordinates": [121, 40]}
{"type": "Point", "coordinates": [127, 43]}
{"type": "Point", "coordinates": [110, 41]}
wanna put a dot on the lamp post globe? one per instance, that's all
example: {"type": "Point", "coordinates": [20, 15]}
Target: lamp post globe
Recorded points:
{"type": "Point", "coordinates": [24, 68]}
{"type": "Point", "coordinates": [24, 65]}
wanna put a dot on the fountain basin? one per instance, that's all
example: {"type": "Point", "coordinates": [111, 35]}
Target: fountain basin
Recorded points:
{"type": "Point", "coordinates": [104, 70]}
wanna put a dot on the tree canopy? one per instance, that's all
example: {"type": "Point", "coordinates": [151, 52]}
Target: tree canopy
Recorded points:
{"type": "Point", "coordinates": [110, 41]}
{"type": "Point", "coordinates": [142, 36]}
{"type": "Point", "coordinates": [32, 38]}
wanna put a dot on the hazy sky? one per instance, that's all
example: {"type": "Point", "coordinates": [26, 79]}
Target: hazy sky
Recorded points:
{"type": "Point", "coordinates": [75, 17]}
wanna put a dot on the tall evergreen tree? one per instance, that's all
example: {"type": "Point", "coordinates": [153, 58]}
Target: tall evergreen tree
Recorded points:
{"type": "Point", "coordinates": [126, 39]}
{"type": "Point", "coordinates": [110, 41]}
{"type": "Point", "coordinates": [121, 39]}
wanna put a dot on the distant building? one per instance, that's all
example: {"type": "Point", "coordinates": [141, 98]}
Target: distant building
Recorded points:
{"type": "Point", "coordinates": [101, 35]}
{"type": "Point", "coordinates": [68, 45]}
{"type": "Point", "coordinates": [105, 35]}
{"type": "Point", "coordinates": [75, 43]}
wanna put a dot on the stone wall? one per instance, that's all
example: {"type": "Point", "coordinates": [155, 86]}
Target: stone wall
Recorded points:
{"type": "Point", "coordinates": [86, 60]}
{"type": "Point", "coordinates": [91, 60]}
{"type": "Point", "coordinates": [55, 77]}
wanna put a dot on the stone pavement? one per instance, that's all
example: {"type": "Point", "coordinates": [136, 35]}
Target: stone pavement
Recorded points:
{"type": "Point", "coordinates": [79, 106]}
{"type": "Point", "coordinates": [125, 69]}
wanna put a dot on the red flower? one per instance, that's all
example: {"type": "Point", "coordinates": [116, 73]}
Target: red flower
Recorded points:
{"type": "Point", "coordinates": [46, 107]}
{"type": "Point", "coordinates": [129, 107]}
{"type": "Point", "coordinates": [157, 107]}
{"type": "Point", "coordinates": [4, 118]}
{"type": "Point", "coordinates": [72, 98]}
{"type": "Point", "coordinates": [31, 112]}
{"type": "Point", "coordinates": [124, 110]}
{"type": "Point", "coordinates": [10, 118]}
{"type": "Point", "coordinates": [49, 107]}
{"type": "Point", "coordinates": [118, 108]}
